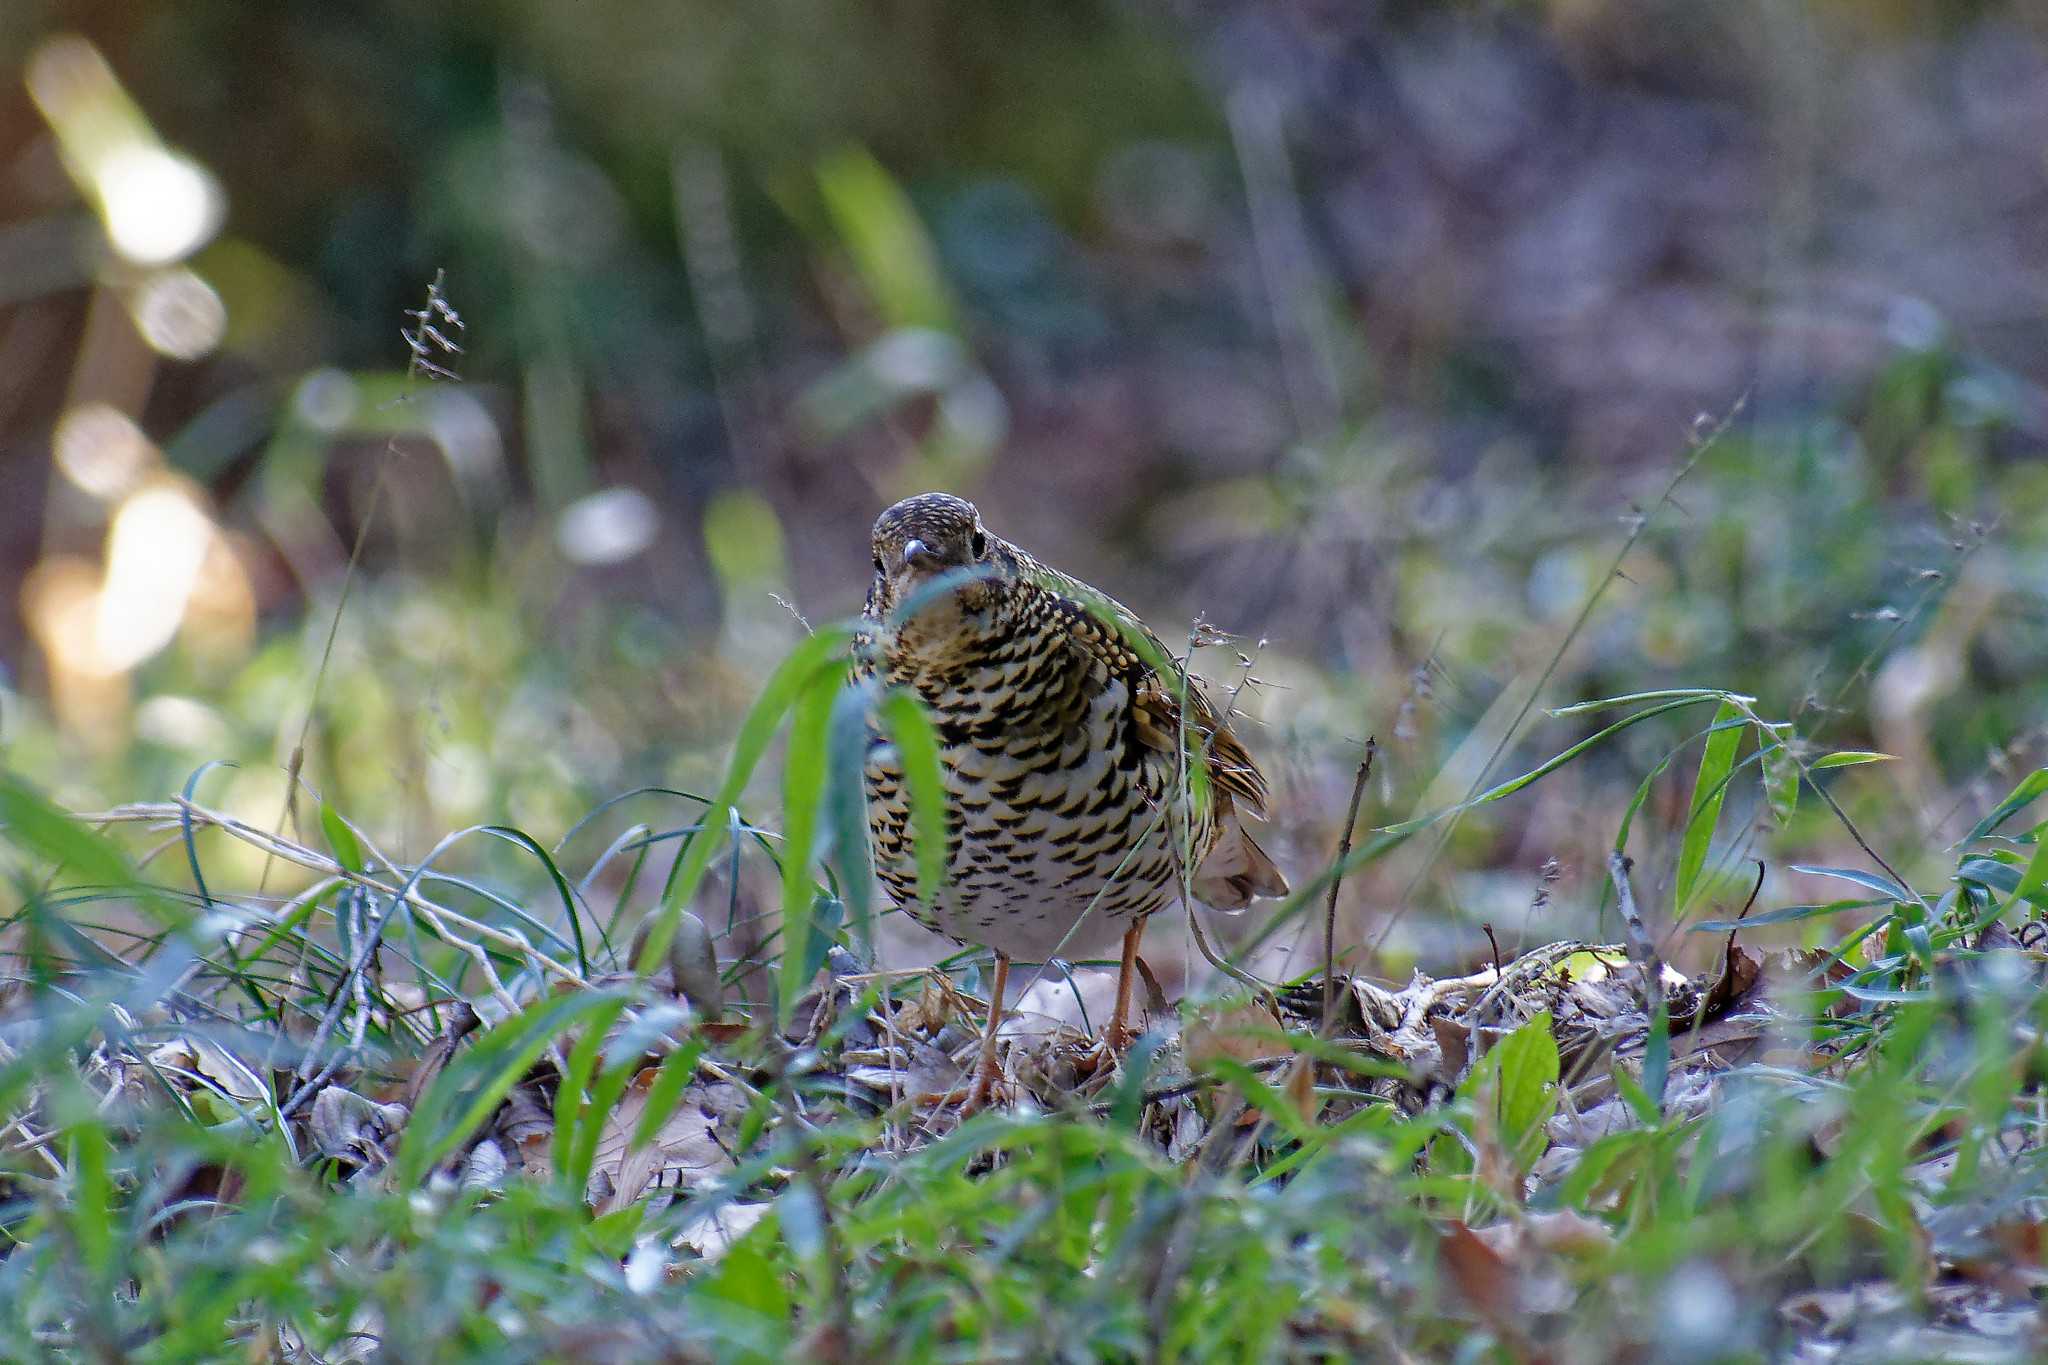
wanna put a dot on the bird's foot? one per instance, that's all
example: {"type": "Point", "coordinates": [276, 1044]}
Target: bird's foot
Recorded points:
{"type": "Point", "coordinates": [1106, 1053]}
{"type": "Point", "coordinates": [987, 1087]}
{"type": "Point", "coordinates": [1118, 1037]}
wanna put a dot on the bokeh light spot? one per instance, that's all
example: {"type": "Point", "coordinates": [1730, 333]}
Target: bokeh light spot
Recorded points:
{"type": "Point", "coordinates": [178, 314]}
{"type": "Point", "coordinates": [155, 549]}
{"type": "Point", "coordinates": [159, 207]}
{"type": "Point", "coordinates": [100, 449]}
{"type": "Point", "coordinates": [326, 400]}
{"type": "Point", "coordinates": [607, 527]}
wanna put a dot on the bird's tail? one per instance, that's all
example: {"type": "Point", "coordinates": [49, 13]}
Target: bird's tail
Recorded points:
{"type": "Point", "coordinates": [1236, 870]}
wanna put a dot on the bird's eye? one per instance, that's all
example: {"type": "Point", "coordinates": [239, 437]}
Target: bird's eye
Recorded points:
{"type": "Point", "coordinates": [978, 545]}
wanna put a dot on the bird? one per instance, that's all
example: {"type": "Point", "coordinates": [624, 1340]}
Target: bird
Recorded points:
{"type": "Point", "coordinates": [1070, 809]}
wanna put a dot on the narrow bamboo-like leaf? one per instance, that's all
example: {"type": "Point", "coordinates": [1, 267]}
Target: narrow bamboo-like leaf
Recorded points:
{"type": "Point", "coordinates": [1600, 1158]}
{"type": "Point", "coordinates": [1781, 775]}
{"type": "Point", "coordinates": [1549, 766]}
{"type": "Point", "coordinates": [1849, 758]}
{"type": "Point", "coordinates": [1657, 1055]}
{"type": "Point", "coordinates": [791, 676]}
{"type": "Point", "coordinates": [1265, 1098]}
{"type": "Point", "coordinates": [1784, 915]}
{"type": "Point", "coordinates": [348, 850]}
{"type": "Point", "coordinates": [1717, 764]}
{"type": "Point", "coordinates": [924, 779]}
{"type": "Point", "coordinates": [2019, 798]}
{"type": "Point", "coordinates": [828, 912]}
{"type": "Point", "coordinates": [1647, 1109]}
{"type": "Point", "coordinates": [1870, 995]}
{"type": "Point", "coordinates": [611, 1235]}
{"type": "Point", "coordinates": [1528, 1064]}
{"type": "Point", "coordinates": [1635, 805]}
{"type": "Point", "coordinates": [1883, 886]}
{"type": "Point", "coordinates": [891, 251]}
{"type": "Point", "coordinates": [846, 801]}
{"type": "Point", "coordinates": [2034, 881]}
{"type": "Point", "coordinates": [605, 1093]}
{"type": "Point", "coordinates": [94, 1217]}
{"type": "Point", "coordinates": [746, 1280]}
{"type": "Point", "coordinates": [2007, 879]}
{"type": "Point", "coordinates": [1685, 694]}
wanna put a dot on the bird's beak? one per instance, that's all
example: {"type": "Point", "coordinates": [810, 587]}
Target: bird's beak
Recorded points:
{"type": "Point", "coordinates": [918, 555]}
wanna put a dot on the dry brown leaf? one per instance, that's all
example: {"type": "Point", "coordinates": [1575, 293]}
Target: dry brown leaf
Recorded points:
{"type": "Point", "coordinates": [686, 1150]}
{"type": "Point", "coordinates": [1301, 1090]}
{"type": "Point", "coordinates": [711, 1234]}
{"type": "Point", "coordinates": [462, 1022]}
{"type": "Point", "coordinates": [346, 1126]}
{"type": "Point", "coordinates": [1242, 1032]}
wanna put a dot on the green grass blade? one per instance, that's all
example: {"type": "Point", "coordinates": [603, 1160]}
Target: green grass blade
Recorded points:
{"type": "Point", "coordinates": [917, 752]}
{"type": "Point", "coordinates": [846, 801]}
{"type": "Point", "coordinates": [887, 240]}
{"type": "Point", "coordinates": [805, 769]}
{"type": "Point", "coordinates": [1849, 758]}
{"type": "Point", "coordinates": [1710, 787]}
{"type": "Point", "coordinates": [2019, 798]}
{"type": "Point", "coordinates": [2035, 879]}
{"type": "Point", "coordinates": [1549, 766]}
{"type": "Point", "coordinates": [50, 834]}
{"type": "Point", "coordinates": [575, 1108]}
{"type": "Point", "coordinates": [477, 1081]}
{"type": "Point", "coordinates": [1688, 694]}
{"type": "Point", "coordinates": [561, 883]}
{"type": "Point", "coordinates": [341, 840]}
{"type": "Point", "coordinates": [763, 719]}
{"type": "Point", "coordinates": [1783, 915]}
{"type": "Point", "coordinates": [678, 1069]}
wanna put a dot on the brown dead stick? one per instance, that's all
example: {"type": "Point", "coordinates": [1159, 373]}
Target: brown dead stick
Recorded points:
{"type": "Point", "coordinates": [1640, 948]}
{"type": "Point", "coordinates": [1372, 746]}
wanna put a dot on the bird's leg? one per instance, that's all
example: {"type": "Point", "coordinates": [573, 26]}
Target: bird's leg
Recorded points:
{"type": "Point", "coordinates": [986, 1071]}
{"type": "Point", "coordinates": [1118, 1036]}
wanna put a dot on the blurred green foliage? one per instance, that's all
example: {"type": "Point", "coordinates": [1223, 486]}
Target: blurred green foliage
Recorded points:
{"type": "Point", "coordinates": [1367, 334]}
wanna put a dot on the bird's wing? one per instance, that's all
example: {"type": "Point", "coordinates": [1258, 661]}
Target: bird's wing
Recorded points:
{"type": "Point", "coordinates": [1111, 632]}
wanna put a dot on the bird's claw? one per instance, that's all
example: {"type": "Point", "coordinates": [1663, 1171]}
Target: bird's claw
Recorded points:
{"type": "Point", "coordinates": [1117, 1038]}
{"type": "Point", "coordinates": [1106, 1053]}
{"type": "Point", "coordinates": [987, 1087]}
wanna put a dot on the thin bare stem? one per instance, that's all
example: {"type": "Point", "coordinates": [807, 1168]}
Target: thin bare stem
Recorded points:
{"type": "Point", "coordinates": [1445, 828]}
{"type": "Point", "coordinates": [1372, 747]}
{"type": "Point", "coordinates": [438, 326]}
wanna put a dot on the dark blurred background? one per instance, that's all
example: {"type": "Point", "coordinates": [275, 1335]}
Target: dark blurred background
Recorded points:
{"type": "Point", "coordinates": [1368, 330]}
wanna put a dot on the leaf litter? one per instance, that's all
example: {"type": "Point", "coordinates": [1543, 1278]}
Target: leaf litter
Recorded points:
{"type": "Point", "coordinates": [1537, 1068]}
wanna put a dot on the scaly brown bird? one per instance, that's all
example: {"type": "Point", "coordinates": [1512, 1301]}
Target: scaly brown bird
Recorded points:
{"type": "Point", "coordinates": [1065, 771]}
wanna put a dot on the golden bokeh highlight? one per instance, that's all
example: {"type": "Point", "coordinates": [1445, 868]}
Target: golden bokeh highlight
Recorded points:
{"type": "Point", "coordinates": [156, 546]}
{"type": "Point", "coordinates": [170, 571]}
{"type": "Point", "coordinates": [59, 601]}
{"type": "Point", "coordinates": [157, 205]}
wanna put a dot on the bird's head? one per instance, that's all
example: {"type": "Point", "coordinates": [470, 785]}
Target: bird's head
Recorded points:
{"type": "Point", "coordinates": [938, 574]}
